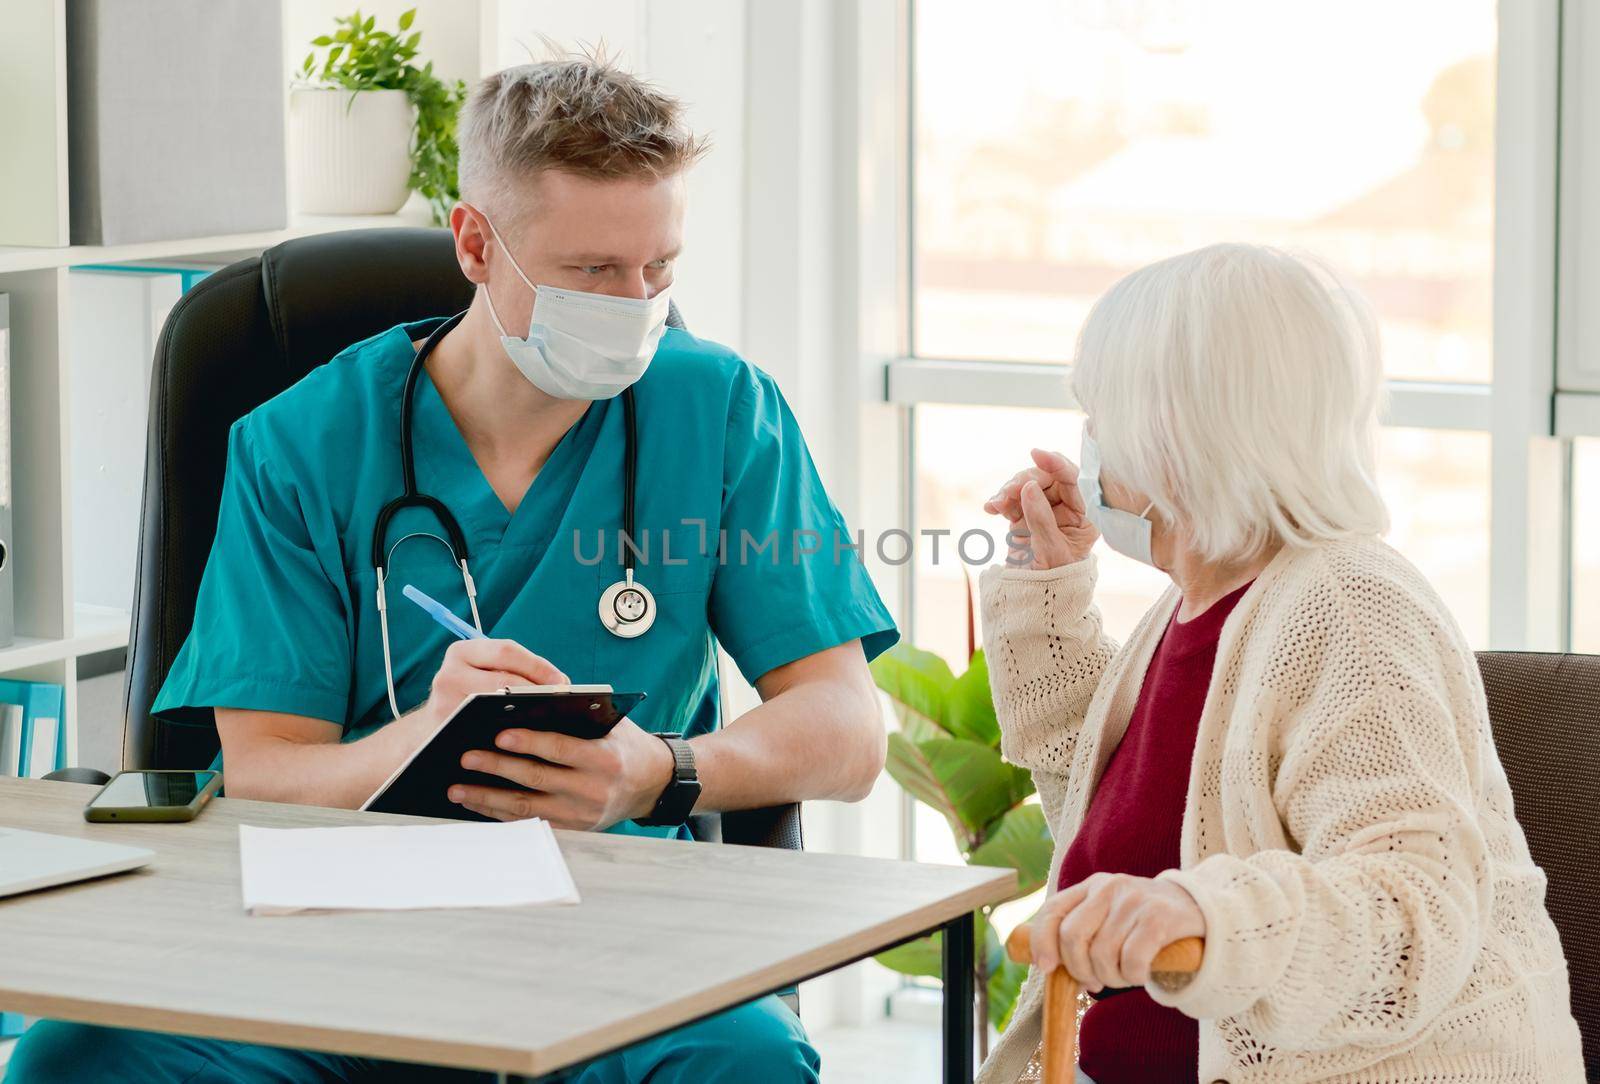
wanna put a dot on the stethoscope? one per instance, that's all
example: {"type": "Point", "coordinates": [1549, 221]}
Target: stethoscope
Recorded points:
{"type": "Point", "coordinates": [627, 608]}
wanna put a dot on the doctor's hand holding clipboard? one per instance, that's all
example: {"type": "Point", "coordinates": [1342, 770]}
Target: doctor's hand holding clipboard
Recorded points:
{"type": "Point", "coordinates": [573, 781]}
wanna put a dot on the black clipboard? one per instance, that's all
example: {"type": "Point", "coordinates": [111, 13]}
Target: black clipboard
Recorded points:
{"type": "Point", "coordinates": [420, 785]}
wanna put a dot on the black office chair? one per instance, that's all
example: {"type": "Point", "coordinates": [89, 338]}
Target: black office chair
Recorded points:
{"type": "Point", "coordinates": [237, 339]}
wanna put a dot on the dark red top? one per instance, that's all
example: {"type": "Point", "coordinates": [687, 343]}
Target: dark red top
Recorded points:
{"type": "Point", "coordinates": [1133, 826]}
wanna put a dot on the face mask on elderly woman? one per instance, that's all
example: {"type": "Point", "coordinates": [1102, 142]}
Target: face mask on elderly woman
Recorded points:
{"type": "Point", "coordinates": [1124, 532]}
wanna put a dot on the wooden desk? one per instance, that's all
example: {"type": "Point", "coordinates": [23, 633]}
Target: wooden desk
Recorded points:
{"type": "Point", "coordinates": [667, 932]}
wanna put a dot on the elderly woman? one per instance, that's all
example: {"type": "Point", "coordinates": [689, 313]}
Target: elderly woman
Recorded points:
{"type": "Point", "coordinates": [1291, 755]}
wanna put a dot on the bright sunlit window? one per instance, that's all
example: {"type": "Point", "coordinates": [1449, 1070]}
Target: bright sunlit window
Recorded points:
{"type": "Point", "coordinates": [1110, 135]}
{"type": "Point", "coordinates": [1586, 546]}
{"type": "Point", "coordinates": [1435, 482]}
{"type": "Point", "coordinates": [1071, 141]}
{"type": "Point", "coordinates": [1436, 485]}
{"type": "Point", "coordinates": [963, 454]}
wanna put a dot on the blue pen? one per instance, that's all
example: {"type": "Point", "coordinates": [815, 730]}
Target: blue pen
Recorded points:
{"type": "Point", "coordinates": [440, 613]}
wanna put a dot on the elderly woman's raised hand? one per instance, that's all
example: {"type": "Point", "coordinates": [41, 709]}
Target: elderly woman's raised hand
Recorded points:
{"type": "Point", "coordinates": [1048, 527]}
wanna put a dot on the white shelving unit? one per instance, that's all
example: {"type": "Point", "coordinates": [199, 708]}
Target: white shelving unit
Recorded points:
{"type": "Point", "coordinates": [27, 258]}
{"type": "Point", "coordinates": [54, 627]}
{"type": "Point", "coordinates": [56, 624]}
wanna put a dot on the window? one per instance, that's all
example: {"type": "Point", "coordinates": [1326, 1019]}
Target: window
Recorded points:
{"type": "Point", "coordinates": [963, 455]}
{"type": "Point", "coordinates": [1113, 133]}
{"type": "Point", "coordinates": [1116, 132]}
{"type": "Point", "coordinates": [1435, 482]}
{"type": "Point", "coordinates": [1586, 546]}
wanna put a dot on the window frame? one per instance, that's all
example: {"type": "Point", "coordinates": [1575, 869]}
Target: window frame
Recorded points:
{"type": "Point", "coordinates": [1578, 346]}
{"type": "Point", "coordinates": [1531, 410]}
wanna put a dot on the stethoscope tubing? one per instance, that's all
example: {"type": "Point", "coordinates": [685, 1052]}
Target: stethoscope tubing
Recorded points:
{"type": "Point", "coordinates": [455, 539]}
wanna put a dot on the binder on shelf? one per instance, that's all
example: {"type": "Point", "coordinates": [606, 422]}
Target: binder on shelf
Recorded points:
{"type": "Point", "coordinates": [10, 739]}
{"type": "Point", "coordinates": [144, 81]}
{"type": "Point", "coordinates": [7, 605]}
{"type": "Point", "coordinates": [38, 746]}
{"type": "Point", "coordinates": [114, 318]}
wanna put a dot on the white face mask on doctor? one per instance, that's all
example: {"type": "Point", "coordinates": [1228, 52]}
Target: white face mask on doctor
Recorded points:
{"type": "Point", "coordinates": [1124, 532]}
{"type": "Point", "coordinates": [582, 345]}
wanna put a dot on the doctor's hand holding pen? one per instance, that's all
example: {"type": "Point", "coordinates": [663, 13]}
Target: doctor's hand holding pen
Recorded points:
{"type": "Point", "coordinates": [575, 783]}
{"type": "Point", "coordinates": [1048, 525]}
{"type": "Point", "coordinates": [485, 666]}
{"type": "Point", "coordinates": [282, 757]}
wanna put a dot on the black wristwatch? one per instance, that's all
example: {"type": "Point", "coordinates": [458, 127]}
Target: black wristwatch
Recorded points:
{"type": "Point", "coordinates": [677, 801]}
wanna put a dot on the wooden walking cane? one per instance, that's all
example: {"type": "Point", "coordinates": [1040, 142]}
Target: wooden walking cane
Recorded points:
{"type": "Point", "coordinates": [1059, 1055]}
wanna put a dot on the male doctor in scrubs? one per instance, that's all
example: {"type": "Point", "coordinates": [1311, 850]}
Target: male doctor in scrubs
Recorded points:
{"type": "Point", "coordinates": [572, 177]}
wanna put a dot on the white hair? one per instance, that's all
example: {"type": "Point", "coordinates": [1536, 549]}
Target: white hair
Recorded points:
{"type": "Point", "coordinates": [1238, 388]}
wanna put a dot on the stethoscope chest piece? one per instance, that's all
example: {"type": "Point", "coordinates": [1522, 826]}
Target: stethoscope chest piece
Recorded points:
{"type": "Point", "coordinates": [627, 609]}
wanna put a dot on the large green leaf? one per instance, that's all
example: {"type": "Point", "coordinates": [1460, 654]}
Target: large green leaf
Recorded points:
{"type": "Point", "coordinates": [916, 726]}
{"type": "Point", "coordinates": [978, 786]}
{"type": "Point", "coordinates": [1020, 841]}
{"type": "Point", "coordinates": [969, 707]}
{"type": "Point", "coordinates": [991, 951]}
{"type": "Point", "coordinates": [1005, 983]}
{"type": "Point", "coordinates": [909, 766]}
{"type": "Point", "coordinates": [924, 956]}
{"type": "Point", "coordinates": [919, 683]}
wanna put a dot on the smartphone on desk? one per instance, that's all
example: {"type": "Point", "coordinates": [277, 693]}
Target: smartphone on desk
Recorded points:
{"type": "Point", "coordinates": [153, 796]}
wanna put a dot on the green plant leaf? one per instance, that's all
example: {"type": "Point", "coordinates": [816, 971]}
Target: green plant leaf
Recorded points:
{"type": "Point", "coordinates": [924, 956]}
{"type": "Point", "coordinates": [1005, 983]}
{"type": "Point", "coordinates": [363, 58]}
{"type": "Point", "coordinates": [918, 682]}
{"type": "Point", "coordinates": [1020, 841]}
{"type": "Point", "coordinates": [991, 951]}
{"type": "Point", "coordinates": [909, 766]}
{"type": "Point", "coordinates": [969, 705]}
{"type": "Point", "coordinates": [979, 784]}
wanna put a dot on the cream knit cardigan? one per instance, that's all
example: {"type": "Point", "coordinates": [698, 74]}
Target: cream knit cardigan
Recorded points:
{"type": "Point", "coordinates": [1372, 912]}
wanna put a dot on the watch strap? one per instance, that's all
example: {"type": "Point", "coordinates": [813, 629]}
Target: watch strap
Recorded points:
{"type": "Point", "coordinates": [682, 791]}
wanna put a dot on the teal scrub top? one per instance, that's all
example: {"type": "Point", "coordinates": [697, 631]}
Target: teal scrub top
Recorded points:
{"type": "Point", "coordinates": [729, 512]}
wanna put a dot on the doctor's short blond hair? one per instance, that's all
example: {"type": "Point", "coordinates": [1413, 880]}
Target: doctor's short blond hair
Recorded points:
{"type": "Point", "coordinates": [577, 113]}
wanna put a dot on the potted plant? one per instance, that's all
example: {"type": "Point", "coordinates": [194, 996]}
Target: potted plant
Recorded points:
{"type": "Point", "coordinates": [367, 127]}
{"type": "Point", "coordinates": [946, 754]}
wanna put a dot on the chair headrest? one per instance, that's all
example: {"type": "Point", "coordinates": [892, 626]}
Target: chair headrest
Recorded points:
{"type": "Point", "coordinates": [328, 291]}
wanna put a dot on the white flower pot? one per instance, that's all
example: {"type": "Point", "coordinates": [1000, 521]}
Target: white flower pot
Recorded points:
{"type": "Point", "coordinates": [349, 154]}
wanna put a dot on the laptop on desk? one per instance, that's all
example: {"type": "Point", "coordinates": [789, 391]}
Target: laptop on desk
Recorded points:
{"type": "Point", "coordinates": [32, 860]}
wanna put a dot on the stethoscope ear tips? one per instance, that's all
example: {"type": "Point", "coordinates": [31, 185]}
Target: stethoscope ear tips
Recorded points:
{"type": "Point", "coordinates": [627, 608]}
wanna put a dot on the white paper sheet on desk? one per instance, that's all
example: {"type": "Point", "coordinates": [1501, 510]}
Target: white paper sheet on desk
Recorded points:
{"type": "Point", "coordinates": [402, 867]}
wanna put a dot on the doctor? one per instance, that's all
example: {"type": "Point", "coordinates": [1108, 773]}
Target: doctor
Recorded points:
{"type": "Point", "coordinates": [572, 176]}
